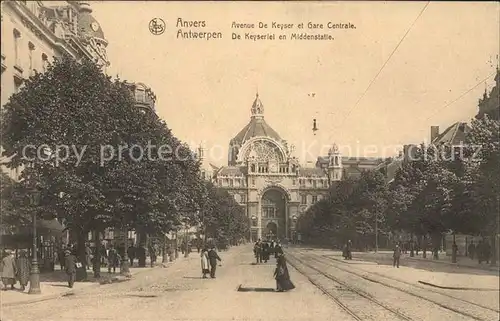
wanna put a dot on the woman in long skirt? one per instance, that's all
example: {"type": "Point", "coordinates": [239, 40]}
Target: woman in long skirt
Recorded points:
{"type": "Point", "coordinates": [283, 282]}
{"type": "Point", "coordinates": [23, 269]}
{"type": "Point", "coordinates": [205, 269]}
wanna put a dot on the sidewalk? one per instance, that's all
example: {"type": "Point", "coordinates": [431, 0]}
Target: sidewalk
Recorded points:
{"type": "Point", "coordinates": [54, 284]}
{"type": "Point", "coordinates": [462, 262]}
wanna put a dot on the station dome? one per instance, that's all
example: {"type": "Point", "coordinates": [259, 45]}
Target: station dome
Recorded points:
{"type": "Point", "coordinates": [257, 127]}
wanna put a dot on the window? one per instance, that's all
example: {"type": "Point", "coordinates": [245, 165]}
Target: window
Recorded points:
{"type": "Point", "coordinates": [140, 95]}
{"type": "Point", "coordinates": [303, 199]}
{"type": "Point", "coordinates": [17, 41]}
{"type": "Point", "coordinates": [45, 62]}
{"type": "Point", "coordinates": [231, 183]}
{"type": "Point", "coordinates": [302, 183]}
{"type": "Point", "coordinates": [17, 85]}
{"type": "Point", "coordinates": [314, 183]}
{"type": "Point", "coordinates": [31, 50]}
{"type": "Point", "coordinates": [314, 199]}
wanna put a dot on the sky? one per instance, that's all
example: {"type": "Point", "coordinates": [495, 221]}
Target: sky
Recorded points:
{"type": "Point", "coordinates": [205, 88]}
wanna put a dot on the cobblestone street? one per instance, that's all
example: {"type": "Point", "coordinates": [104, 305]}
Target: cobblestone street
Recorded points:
{"type": "Point", "coordinates": [389, 293]}
{"type": "Point", "coordinates": [356, 290]}
{"type": "Point", "coordinates": [178, 293]}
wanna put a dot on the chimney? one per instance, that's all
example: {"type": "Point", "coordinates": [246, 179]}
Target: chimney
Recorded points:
{"type": "Point", "coordinates": [434, 132]}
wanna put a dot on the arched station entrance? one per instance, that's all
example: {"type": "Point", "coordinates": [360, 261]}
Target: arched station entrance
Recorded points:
{"type": "Point", "coordinates": [273, 214]}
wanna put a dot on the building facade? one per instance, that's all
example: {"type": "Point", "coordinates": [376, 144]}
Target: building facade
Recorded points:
{"type": "Point", "coordinates": [267, 180]}
{"type": "Point", "coordinates": [34, 32]}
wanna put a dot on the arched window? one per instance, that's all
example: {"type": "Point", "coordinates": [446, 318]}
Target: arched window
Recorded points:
{"type": "Point", "coordinates": [45, 62]}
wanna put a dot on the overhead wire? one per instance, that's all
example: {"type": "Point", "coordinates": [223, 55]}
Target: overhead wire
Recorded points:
{"type": "Point", "coordinates": [461, 96]}
{"type": "Point", "coordinates": [385, 64]}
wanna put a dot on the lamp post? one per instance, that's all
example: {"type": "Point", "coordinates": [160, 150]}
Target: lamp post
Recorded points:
{"type": "Point", "coordinates": [124, 267]}
{"type": "Point", "coordinates": [34, 197]}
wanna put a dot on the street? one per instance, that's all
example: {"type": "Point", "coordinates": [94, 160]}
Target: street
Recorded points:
{"type": "Point", "coordinates": [358, 290]}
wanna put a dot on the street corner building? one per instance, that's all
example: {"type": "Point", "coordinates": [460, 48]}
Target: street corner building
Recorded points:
{"type": "Point", "coordinates": [269, 182]}
{"type": "Point", "coordinates": [35, 32]}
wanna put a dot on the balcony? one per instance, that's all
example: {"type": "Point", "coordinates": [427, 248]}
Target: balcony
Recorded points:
{"type": "Point", "coordinates": [4, 66]}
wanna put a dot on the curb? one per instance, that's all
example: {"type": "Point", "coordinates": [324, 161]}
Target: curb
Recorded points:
{"type": "Point", "coordinates": [71, 292]}
{"type": "Point", "coordinates": [456, 288]}
{"type": "Point", "coordinates": [478, 267]}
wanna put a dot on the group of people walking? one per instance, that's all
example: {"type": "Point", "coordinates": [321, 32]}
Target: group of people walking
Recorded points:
{"type": "Point", "coordinates": [18, 270]}
{"type": "Point", "coordinates": [14, 270]}
{"type": "Point", "coordinates": [209, 258]}
{"type": "Point", "coordinates": [263, 250]}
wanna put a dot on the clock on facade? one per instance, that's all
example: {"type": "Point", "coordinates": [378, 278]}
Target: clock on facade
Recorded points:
{"type": "Point", "coordinates": [95, 26]}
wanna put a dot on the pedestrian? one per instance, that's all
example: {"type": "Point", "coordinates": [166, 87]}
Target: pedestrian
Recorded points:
{"type": "Point", "coordinates": [278, 250]}
{"type": "Point", "coordinates": [70, 265]}
{"type": "Point", "coordinates": [472, 250]}
{"type": "Point", "coordinates": [88, 256]}
{"type": "Point", "coordinates": [9, 270]}
{"type": "Point", "coordinates": [480, 251]}
{"type": "Point", "coordinates": [131, 254]}
{"type": "Point", "coordinates": [205, 268]}
{"type": "Point", "coordinates": [349, 250]}
{"type": "Point", "coordinates": [257, 251]}
{"type": "Point", "coordinates": [396, 256]}
{"type": "Point", "coordinates": [213, 257]}
{"type": "Point", "coordinates": [282, 276]}
{"type": "Point", "coordinates": [265, 252]}
{"type": "Point", "coordinates": [23, 269]}
{"type": "Point", "coordinates": [112, 259]}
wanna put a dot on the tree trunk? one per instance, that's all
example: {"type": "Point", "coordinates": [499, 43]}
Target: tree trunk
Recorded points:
{"type": "Point", "coordinates": [80, 250]}
{"type": "Point", "coordinates": [97, 256]}
{"type": "Point", "coordinates": [424, 246]}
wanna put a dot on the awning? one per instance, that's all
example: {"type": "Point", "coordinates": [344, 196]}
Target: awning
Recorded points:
{"type": "Point", "coordinates": [44, 228]}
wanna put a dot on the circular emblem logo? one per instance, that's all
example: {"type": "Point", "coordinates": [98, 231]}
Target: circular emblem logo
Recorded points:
{"type": "Point", "coordinates": [157, 26]}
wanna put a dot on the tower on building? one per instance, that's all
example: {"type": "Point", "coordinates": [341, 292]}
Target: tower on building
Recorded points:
{"type": "Point", "coordinates": [334, 164]}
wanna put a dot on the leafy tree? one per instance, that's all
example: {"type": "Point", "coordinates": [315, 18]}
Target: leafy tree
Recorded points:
{"type": "Point", "coordinates": [223, 217]}
{"type": "Point", "coordinates": [107, 184]}
{"type": "Point", "coordinates": [13, 213]}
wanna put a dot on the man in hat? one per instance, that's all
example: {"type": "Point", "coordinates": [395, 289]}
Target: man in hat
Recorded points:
{"type": "Point", "coordinates": [213, 257]}
{"type": "Point", "coordinates": [70, 266]}
{"type": "Point", "coordinates": [9, 270]}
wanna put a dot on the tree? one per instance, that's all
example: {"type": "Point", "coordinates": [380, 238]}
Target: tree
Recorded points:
{"type": "Point", "coordinates": [483, 182]}
{"type": "Point", "coordinates": [223, 217]}
{"type": "Point", "coordinates": [90, 170]}
{"type": "Point", "coordinates": [14, 214]}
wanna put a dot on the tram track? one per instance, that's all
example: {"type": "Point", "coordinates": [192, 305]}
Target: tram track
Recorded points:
{"type": "Point", "coordinates": [367, 306]}
{"type": "Point", "coordinates": [478, 313]}
{"type": "Point", "coordinates": [406, 283]}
